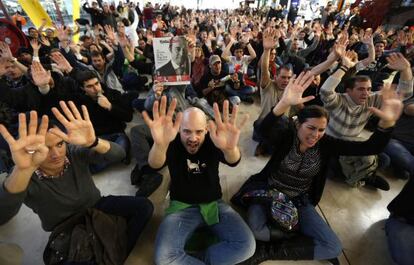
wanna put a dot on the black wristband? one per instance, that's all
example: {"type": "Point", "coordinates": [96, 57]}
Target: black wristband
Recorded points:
{"type": "Point", "coordinates": [344, 68]}
{"type": "Point", "coordinates": [95, 143]}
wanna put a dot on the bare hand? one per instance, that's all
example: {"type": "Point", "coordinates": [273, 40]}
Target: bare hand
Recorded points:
{"type": "Point", "coordinates": [104, 102]}
{"type": "Point", "coordinates": [110, 33]}
{"type": "Point", "coordinates": [29, 150]}
{"type": "Point", "coordinates": [163, 129]}
{"type": "Point", "coordinates": [35, 45]}
{"type": "Point", "coordinates": [349, 59]}
{"type": "Point", "coordinates": [225, 133]}
{"type": "Point", "coordinates": [391, 106]}
{"type": "Point", "coordinates": [294, 90]}
{"type": "Point", "coordinates": [397, 61]}
{"type": "Point", "coordinates": [269, 38]}
{"type": "Point", "coordinates": [61, 63]}
{"type": "Point", "coordinates": [79, 131]}
{"type": "Point", "coordinates": [5, 51]}
{"type": "Point", "coordinates": [41, 77]}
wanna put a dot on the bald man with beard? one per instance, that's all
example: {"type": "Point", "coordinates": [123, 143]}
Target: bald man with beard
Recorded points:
{"type": "Point", "coordinates": [192, 150]}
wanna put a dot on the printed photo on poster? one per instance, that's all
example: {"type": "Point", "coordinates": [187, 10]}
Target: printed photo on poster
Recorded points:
{"type": "Point", "coordinates": [172, 62]}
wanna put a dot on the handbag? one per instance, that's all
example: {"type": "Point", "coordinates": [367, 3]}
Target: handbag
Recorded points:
{"type": "Point", "coordinates": [281, 208]}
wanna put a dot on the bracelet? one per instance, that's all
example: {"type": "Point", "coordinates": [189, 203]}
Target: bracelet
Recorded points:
{"type": "Point", "coordinates": [95, 143]}
{"type": "Point", "coordinates": [344, 68]}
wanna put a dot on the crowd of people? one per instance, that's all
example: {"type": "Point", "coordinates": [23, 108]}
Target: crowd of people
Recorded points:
{"type": "Point", "coordinates": [334, 97]}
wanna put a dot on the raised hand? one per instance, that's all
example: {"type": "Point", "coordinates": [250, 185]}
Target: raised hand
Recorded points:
{"type": "Point", "coordinates": [224, 132]}
{"type": "Point", "coordinates": [270, 38]}
{"type": "Point", "coordinates": [245, 38]}
{"type": "Point", "coordinates": [349, 59]}
{"type": "Point", "coordinates": [79, 130]}
{"type": "Point", "coordinates": [391, 107]}
{"type": "Point", "coordinates": [5, 51]}
{"type": "Point", "coordinates": [44, 41]}
{"type": "Point", "coordinates": [40, 76]}
{"type": "Point", "coordinates": [29, 150]}
{"type": "Point", "coordinates": [163, 129]}
{"type": "Point", "coordinates": [61, 63]}
{"type": "Point", "coordinates": [61, 33]}
{"type": "Point", "coordinates": [339, 48]}
{"type": "Point", "coordinates": [294, 90]}
{"type": "Point", "coordinates": [110, 33]}
{"type": "Point", "coordinates": [35, 45]}
{"type": "Point", "coordinates": [368, 38]}
{"type": "Point", "coordinates": [397, 61]}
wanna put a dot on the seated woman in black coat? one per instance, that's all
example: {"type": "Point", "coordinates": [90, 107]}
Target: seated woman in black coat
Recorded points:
{"type": "Point", "coordinates": [296, 171]}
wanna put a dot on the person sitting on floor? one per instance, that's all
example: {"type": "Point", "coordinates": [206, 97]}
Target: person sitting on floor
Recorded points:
{"type": "Point", "coordinates": [296, 171]}
{"type": "Point", "coordinates": [399, 227]}
{"type": "Point", "coordinates": [51, 173]}
{"type": "Point", "coordinates": [193, 156]}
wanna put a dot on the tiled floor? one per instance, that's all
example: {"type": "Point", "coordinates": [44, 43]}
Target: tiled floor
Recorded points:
{"type": "Point", "coordinates": [357, 215]}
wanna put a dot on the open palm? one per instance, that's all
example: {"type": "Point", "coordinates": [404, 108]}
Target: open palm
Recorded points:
{"type": "Point", "coordinates": [29, 150]}
{"type": "Point", "coordinates": [163, 128]}
{"type": "Point", "coordinates": [224, 132]}
{"type": "Point", "coordinates": [391, 105]}
{"type": "Point", "coordinates": [79, 131]}
{"type": "Point", "coordinates": [294, 90]}
{"type": "Point", "coordinates": [270, 38]}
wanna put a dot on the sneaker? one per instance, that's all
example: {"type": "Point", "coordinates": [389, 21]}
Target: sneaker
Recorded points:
{"type": "Point", "coordinates": [149, 183]}
{"type": "Point", "coordinates": [377, 182]}
{"type": "Point", "coordinates": [136, 176]}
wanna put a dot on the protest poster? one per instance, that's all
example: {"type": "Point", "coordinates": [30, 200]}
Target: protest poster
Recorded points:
{"type": "Point", "coordinates": [172, 62]}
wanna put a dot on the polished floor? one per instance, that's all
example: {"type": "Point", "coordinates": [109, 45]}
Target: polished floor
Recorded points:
{"type": "Point", "coordinates": [356, 214]}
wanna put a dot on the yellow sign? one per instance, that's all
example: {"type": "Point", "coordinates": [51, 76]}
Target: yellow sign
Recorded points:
{"type": "Point", "coordinates": [36, 13]}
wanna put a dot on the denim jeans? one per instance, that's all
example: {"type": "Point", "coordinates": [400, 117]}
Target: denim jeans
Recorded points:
{"type": "Point", "coordinates": [119, 138]}
{"type": "Point", "coordinates": [401, 154]}
{"type": "Point", "coordinates": [136, 210]}
{"type": "Point", "coordinates": [327, 244]}
{"type": "Point", "coordinates": [400, 237]}
{"type": "Point", "coordinates": [242, 93]}
{"type": "Point", "coordinates": [236, 239]}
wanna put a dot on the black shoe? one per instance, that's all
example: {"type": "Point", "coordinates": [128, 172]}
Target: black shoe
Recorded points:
{"type": "Point", "coordinates": [298, 248]}
{"type": "Point", "coordinates": [377, 182]}
{"type": "Point", "coordinates": [136, 176]}
{"type": "Point", "coordinates": [247, 99]}
{"type": "Point", "coordinates": [149, 183]}
{"type": "Point", "coordinates": [334, 261]}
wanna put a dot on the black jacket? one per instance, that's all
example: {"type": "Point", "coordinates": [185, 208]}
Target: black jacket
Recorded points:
{"type": "Point", "coordinates": [282, 138]}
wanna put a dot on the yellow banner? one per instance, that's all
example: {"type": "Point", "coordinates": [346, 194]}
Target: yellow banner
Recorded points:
{"type": "Point", "coordinates": [35, 11]}
{"type": "Point", "coordinates": [76, 15]}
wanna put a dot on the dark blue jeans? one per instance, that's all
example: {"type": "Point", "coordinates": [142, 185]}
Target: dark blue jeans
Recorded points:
{"type": "Point", "coordinates": [400, 237]}
{"type": "Point", "coordinates": [401, 154]}
{"type": "Point", "coordinates": [236, 240]}
{"type": "Point", "coordinates": [136, 210]}
{"type": "Point", "coordinates": [119, 138]}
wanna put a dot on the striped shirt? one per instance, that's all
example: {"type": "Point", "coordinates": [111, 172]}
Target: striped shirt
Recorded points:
{"type": "Point", "coordinates": [347, 119]}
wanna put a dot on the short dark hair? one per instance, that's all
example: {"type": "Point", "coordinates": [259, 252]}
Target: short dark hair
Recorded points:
{"type": "Point", "coordinates": [97, 54]}
{"type": "Point", "coordinates": [285, 67]}
{"type": "Point", "coordinates": [312, 111]}
{"type": "Point", "coordinates": [84, 37]}
{"type": "Point", "coordinates": [350, 82]}
{"type": "Point", "coordinates": [238, 46]}
{"type": "Point", "coordinates": [84, 76]}
{"type": "Point", "coordinates": [54, 123]}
